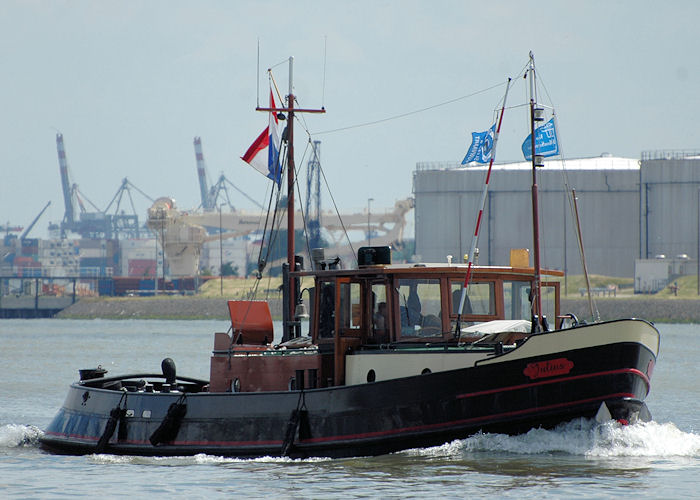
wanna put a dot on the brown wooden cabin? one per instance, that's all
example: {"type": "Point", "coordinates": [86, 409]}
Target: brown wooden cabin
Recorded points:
{"type": "Point", "coordinates": [379, 307]}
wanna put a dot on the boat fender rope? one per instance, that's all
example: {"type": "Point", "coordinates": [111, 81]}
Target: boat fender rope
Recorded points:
{"type": "Point", "coordinates": [294, 423]}
{"type": "Point", "coordinates": [116, 415]}
{"type": "Point", "coordinates": [170, 426]}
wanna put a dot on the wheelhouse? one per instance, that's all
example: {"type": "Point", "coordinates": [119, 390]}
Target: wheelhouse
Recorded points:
{"type": "Point", "coordinates": [402, 303]}
{"type": "Point", "coordinates": [375, 309]}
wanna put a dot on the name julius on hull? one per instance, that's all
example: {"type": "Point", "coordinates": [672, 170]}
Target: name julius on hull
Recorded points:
{"type": "Point", "coordinates": [550, 368]}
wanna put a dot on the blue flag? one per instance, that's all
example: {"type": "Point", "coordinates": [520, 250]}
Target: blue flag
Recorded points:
{"type": "Point", "coordinates": [482, 144]}
{"type": "Point", "coordinates": [545, 141]}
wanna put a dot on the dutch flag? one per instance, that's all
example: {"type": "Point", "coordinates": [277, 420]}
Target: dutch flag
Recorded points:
{"type": "Point", "coordinates": [264, 154]}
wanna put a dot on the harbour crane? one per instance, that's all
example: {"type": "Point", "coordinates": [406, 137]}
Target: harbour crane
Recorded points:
{"type": "Point", "coordinates": [36, 219]}
{"type": "Point", "coordinates": [99, 223]}
{"type": "Point", "coordinates": [210, 195]}
{"type": "Point", "coordinates": [313, 196]}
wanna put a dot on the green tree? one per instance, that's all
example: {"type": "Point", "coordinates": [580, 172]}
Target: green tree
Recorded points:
{"type": "Point", "coordinates": [228, 269]}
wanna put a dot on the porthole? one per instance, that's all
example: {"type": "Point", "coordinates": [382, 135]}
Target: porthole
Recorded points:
{"type": "Point", "coordinates": [371, 376]}
{"type": "Point", "coordinates": [425, 371]}
{"type": "Point", "coordinates": [236, 385]}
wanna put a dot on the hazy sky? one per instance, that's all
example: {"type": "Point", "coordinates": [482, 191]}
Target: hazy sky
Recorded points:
{"type": "Point", "coordinates": [131, 83]}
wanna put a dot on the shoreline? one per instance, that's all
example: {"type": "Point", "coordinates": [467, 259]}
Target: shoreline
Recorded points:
{"type": "Point", "coordinates": [655, 310]}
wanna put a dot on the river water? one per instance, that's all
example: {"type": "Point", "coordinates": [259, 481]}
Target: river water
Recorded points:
{"type": "Point", "coordinates": [39, 358]}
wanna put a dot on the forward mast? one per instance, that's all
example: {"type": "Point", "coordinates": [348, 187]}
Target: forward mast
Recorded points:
{"type": "Point", "coordinates": [290, 110]}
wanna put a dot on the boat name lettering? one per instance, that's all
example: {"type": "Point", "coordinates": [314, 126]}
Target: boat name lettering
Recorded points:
{"type": "Point", "coordinates": [549, 368]}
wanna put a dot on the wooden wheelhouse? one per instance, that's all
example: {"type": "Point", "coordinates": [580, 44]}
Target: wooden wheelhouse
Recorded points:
{"type": "Point", "coordinates": [377, 309]}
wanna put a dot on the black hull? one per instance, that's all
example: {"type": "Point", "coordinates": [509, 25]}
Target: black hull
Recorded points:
{"type": "Point", "coordinates": [366, 419]}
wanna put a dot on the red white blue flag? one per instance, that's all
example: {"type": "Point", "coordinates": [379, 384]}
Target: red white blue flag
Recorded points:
{"type": "Point", "coordinates": [264, 154]}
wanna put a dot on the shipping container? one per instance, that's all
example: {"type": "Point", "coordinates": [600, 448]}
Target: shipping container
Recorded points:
{"type": "Point", "coordinates": [142, 267]}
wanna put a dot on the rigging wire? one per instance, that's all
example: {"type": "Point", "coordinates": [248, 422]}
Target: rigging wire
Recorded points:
{"type": "Point", "coordinates": [274, 84]}
{"type": "Point", "coordinates": [335, 206]}
{"type": "Point", "coordinates": [301, 205]}
{"type": "Point", "coordinates": [302, 122]}
{"type": "Point", "coordinates": [262, 262]}
{"type": "Point", "coordinates": [572, 207]}
{"type": "Point", "coordinates": [409, 113]}
{"type": "Point", "coordinates": [283, 61]}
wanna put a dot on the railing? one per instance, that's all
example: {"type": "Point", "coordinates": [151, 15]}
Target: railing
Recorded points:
{"type": "Point", "coordinates": [437, 165]}
{"type": "Point", "coordinates": [671, 154]}
{"type": "Point", "coordinates": [56, 272]}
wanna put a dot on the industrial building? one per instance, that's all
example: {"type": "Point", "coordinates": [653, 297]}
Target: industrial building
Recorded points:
{"type": "Point", "coordinates": [629, 209]}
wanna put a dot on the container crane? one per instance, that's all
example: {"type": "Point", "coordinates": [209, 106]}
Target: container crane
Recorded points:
{"type": "Point", "coordinates": [69, 214]}
{"type": "Point", "coordinates": [95, 224]}
{"type": "Point", "coordinates": [36, 219]}
{"type": "Point", "coordinates": [7, 228]}
{"type": "Point", "coordinates": [126, 225]}
{"type": "Point", "coordinates": [210, 195]}
{"type": "Point", "coordinates": [313, 196]}
{"type": "Point", "coordinates": [207, 201]}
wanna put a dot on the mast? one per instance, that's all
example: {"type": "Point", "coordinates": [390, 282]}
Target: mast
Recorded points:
{"type": "Point", "coordinates": [477, 226]}
{"type": "Point", "coordinates": [583, 256]}
{"type": "Point", "coordinates": [536, 161]}
{"type": "Point", "coordinates": [291, 286]}
{"type": "Point", "coordinates": [290, 186]}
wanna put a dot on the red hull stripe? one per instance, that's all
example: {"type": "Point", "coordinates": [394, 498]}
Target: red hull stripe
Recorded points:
{"type": "Point", "coordinates": [633, 371]}
{"type": "Point", "coordinates": [419, 428]}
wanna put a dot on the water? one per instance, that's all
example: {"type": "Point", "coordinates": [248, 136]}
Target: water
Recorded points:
{"type": "Point", "coordinates": [39, 358]}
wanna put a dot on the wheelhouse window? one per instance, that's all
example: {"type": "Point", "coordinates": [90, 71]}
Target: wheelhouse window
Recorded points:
{"type": "Point", "coordinates": [480, 299]}
{"type": "Point", "coordinates": [419, 307]}
{"type": "Point", "coordinates": [326, 320]}
{"type": "Point", "coordinates": [380, 313]}
{"type": "Point", "coordinates": [516, 298]}
{"type": "Point", "coordinates": [549, 302]}
{"type": "Point", "coordinates": [350, 310]}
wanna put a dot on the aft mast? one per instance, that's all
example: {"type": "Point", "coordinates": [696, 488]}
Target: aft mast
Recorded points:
{"type": "Point", "coordinates": [536, 114]}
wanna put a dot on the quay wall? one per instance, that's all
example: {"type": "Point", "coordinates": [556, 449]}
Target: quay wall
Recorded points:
{"type": "Point", "coordinates": [154, 308]}
{"type": "Point", "coordinates": [658, 310]}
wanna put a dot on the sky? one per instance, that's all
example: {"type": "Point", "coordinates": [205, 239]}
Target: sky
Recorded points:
{"type": "Point", "coordinates": [130, 83]}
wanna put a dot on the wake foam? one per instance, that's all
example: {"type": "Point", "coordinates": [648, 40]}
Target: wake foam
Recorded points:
{"type": "Point", "coordinates": [14, 436]}
{"type": "Point", "coordinates": [582, 438]}
{"type": "Point", "coordinates": [200, 459]}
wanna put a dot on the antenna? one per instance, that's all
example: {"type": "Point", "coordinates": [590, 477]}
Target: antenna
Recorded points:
{"type": "Point", "coordinates": [257, 77]}
{"type": "Point", "coordinates": [323, 90]}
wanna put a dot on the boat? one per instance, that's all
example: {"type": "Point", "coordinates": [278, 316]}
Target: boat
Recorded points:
{"type": "Point", "coordinates": [393, 356]}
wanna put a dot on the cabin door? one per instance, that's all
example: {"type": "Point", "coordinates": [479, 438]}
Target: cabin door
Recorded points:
{"type": "Point", "coordinates": [350, 322]}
